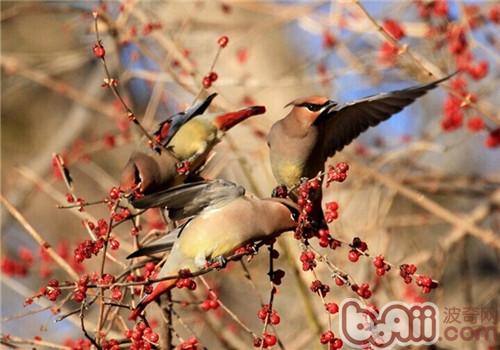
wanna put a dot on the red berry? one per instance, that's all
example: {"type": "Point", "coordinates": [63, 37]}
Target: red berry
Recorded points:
{"type": "Point", "coordinates": [394, 28]}
{"type": "Point", "coordinates": [475, 124]}
{"type": "Point", "coordinates": [213, 76]}
{"type": "Point", "coordinates": [353, 255]}
{"type": "Point", "coordinates": [332, 308]}
{"type": "Point", "coordinates": [269, 339]}
{"type": "Point", "coordinates": [99, 51]}
{"type": "Point", "coordinates": [207, 83]}
{"type": "Point", "coordinates": [329, 40]}
{"type": "Point", "coordinates": [222, 41]}
{"type": "Point", "coordinates": [274, 318]}
{"type": "Point", "coordinates": [339, 281]}
{"type": "Point", "coordinates": [337, 343]}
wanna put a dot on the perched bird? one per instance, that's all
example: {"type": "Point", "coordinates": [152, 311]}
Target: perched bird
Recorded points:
{"type": "Point", "coordinates": [189, 137]}
{"type": "Point", "coordinates": [221, 219]}
{"type": "Point", "coordinates": [317, 127]}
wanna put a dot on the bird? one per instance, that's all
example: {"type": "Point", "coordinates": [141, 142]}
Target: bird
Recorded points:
{"type": "Point", "coordinates": [221, 217]}
{"type": "Point", "coordinates": [185, 138]}
{"type": "Point", "coordinates": [317, 127]}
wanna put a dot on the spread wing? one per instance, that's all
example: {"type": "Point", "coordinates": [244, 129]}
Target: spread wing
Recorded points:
{"type": "Point", "coordinates": [169, 127]}
{"type": "Point", "coordinates": [191, 198]}
{"type": "Point", "coordinates": [343, 123]}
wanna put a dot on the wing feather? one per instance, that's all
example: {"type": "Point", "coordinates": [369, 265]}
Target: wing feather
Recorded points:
{"type": "Point", "coordinates": [343, 123]}
{"type": "Point", "coordinates": [189, 199]}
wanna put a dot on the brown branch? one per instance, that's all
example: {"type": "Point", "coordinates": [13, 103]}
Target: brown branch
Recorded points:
{"type": "Point", "coordinates": [36, 236]}
{"type": "Point", "coordinates": [486, 236]}
{"type": "Point", "coordinates": [10, 340]}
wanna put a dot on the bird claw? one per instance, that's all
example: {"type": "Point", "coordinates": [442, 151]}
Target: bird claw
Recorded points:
{"type": "Point", "coordinates": [253, 248]}
{"type": "Point", "coordinates": [219, 262]}
{"type": "Point", "coordinates": [183, 168]}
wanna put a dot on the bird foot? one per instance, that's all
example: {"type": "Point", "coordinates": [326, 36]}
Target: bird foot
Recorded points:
{"type": "Point", "coordinates": [183, 168]}
{"type": "Point", "coordinates": [219, 262]}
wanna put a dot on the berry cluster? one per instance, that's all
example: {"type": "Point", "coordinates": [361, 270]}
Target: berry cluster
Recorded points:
{"type": "Point", "coordinates": [308, 260]}
{"type": "Point", "coordinates": [363, 290]}
{"type": "Point", "coordinates": [329, 338]}
{"type": "Point", "coordinates": [326, 239]}
{"type": "Point", "coordinates": [268, 340]}
{"type": "Point", "coordinates": [121, 215]}
{"type": "Point", "coordinates": [85, 249]}
{"type": "Point", "coordinates": [209, 79]}
{"type": "Point", "coordinates": [331, 212]}
{"type": "Point", "coordinates": [188, 283]}
{"type": "Point", "coordinates": [52, 292]}
{"type": "Point", "coordinates": [79, 344]}
{"type": "Point", "coordinates": [318, 287]}
{"type": "Point", "coordinates": [305, 229]}
{"type": "Point", "coordinates": [406, 271]}
{"type": "Point", "coordinates": [358, 247]}
{"type": "Point", "coordinates": [337, 173]}
{"type": "Point", "coordinates": [142, 337]}
{"type": "Point", "coordinates": [381, 266]}
{"type": "Point", "coordinates": [80, 292]}
{"type": "Point", "coordinates": [266, 312]}
{"type": "Point", "coordinates": [20, 266]}
{"type": "Point", "coordinates": [211, 302]}
{"type": "Point", "coordinates": [426, 283]}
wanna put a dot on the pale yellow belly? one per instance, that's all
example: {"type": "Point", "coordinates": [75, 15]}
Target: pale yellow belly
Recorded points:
{"type": "Point", "coordinates": [192, 138]}
{"type": "Point", "coordinates": [287, 173]}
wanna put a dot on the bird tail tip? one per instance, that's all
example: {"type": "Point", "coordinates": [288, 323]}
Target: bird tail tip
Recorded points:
{"type": "Point", "coordinates": [226, 121]}
{"type": "Point", "coordinates": [160, 289]}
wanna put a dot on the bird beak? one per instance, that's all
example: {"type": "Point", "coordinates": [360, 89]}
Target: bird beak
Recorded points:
{"type": "Point", "coordinates": [328, 105]}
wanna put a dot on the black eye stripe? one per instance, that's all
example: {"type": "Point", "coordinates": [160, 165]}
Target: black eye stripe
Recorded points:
{"type": "Point", "coordinates": [311, 106]}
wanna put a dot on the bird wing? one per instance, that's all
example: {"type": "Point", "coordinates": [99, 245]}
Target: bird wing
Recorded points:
{"type": "Point", "coordinates": [178, 120]}
{"type": "Point", "coordinates": [343, 123]}
{"type": "Point", "coordinates": [191, 198]}
{"type": "Point", "coordinates": [163, 244]}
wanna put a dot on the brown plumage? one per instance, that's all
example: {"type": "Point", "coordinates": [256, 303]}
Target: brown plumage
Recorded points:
{"type": "Point", "coordinates": [221, 219]}
{"type": "Point", "coordinates": [316, 128]}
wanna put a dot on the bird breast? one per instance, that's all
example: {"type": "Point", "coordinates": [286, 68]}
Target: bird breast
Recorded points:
{"type": "Point", "coordinates": [193, 138]}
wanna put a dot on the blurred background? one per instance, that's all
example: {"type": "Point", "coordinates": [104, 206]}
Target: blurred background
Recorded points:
{"type": "Point", "coordinates": [416, 183]}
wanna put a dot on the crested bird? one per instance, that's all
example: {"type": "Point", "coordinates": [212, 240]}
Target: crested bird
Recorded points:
{"type": "Point", "coordinates": [221, 218]}
{"type": "Point", "coordinates": [317, 127]}
{"type": "Point", "coordinates": [188, 137]}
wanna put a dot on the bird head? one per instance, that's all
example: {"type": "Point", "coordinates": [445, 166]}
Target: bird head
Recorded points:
{"type": "Point", "coordinates": [308, 109]}
{"type": "Point", "coordinates": [140, 173]}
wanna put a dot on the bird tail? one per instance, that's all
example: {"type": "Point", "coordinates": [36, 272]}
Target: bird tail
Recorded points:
{"type": "Point", "coordinates": [160, 289]}
{"type": "Point", "coordinates": [226, 121]}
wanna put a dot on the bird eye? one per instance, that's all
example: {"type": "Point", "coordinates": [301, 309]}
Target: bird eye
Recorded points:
{"type": "Point", "coordinates": [311, 106]}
